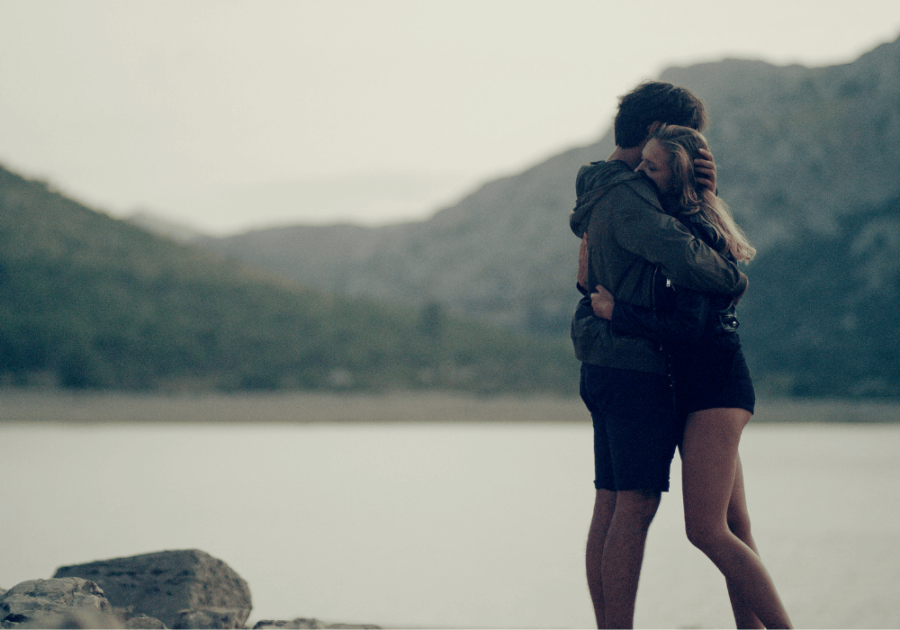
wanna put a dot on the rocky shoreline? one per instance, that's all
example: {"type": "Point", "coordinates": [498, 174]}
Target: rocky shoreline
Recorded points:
{"type": "Point", "coordinates": [168, 589]}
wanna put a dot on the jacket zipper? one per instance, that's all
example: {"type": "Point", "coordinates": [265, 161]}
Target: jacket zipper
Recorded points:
{"type": "Point", "coordinates": [653, 295]}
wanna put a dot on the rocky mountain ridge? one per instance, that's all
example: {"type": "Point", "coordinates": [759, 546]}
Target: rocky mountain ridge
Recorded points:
{"type": "Point", "coordinates": [807, 160]}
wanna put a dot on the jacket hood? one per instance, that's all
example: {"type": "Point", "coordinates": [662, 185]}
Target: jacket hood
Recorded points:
{"type": "Point", "coordinates": [596, 179]}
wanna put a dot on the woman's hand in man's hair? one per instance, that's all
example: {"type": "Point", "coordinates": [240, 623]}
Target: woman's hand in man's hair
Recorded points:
{"type": "Point", "coordinates": [705, 171]}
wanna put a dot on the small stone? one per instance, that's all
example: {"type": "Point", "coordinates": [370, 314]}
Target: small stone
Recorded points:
{"type": "Point", "coordinates": [210, 618]}
{"type": "Point", "coordinates": [300, 623]}
{"type": "Point", "coordinates": [304, 623]}
{"type": "Point", "coordinates": [143, 622]}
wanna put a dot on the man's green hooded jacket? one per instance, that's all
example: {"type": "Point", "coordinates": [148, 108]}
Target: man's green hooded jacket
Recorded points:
{"type": "Point", "coordinates": [630, 240]}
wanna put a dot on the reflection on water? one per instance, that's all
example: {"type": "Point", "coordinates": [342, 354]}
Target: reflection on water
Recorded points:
{"type": "Point", "coordinates": [449, 524]}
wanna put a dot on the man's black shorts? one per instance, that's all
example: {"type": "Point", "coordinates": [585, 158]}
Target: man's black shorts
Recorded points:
{"type": "Point", "coordinates": [635, 427]}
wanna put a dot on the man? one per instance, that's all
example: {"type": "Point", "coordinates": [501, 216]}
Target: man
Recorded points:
{"type": "Point", "coordinates": [624, 383]}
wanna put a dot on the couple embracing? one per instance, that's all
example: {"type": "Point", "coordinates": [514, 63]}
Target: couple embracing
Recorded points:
{"type": "Point", "coordinates": [662, 367]}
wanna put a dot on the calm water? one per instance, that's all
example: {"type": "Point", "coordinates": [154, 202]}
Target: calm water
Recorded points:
{"type": "Point", "coordinates": [446, 524]}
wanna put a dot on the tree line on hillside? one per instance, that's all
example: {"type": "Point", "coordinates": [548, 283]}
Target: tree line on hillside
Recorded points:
{"type": "Point", "coordinates": [87, 301]}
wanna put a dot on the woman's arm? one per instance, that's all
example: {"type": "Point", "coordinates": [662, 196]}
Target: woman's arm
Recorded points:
{"type": "Point", "coordinates": [646, 231]}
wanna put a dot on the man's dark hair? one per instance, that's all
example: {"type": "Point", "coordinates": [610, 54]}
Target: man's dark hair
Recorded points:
{"type": "Point", "coordinates": [653, 101]}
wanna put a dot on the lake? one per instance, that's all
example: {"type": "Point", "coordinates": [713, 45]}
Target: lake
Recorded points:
{"type": "Point", "coordinates": [435, 511]}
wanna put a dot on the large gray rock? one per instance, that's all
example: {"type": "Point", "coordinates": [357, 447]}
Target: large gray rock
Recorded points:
{"type": "Point", "coordinates": [177, 587]}
{"type": "Point", "coordinates": [68, 602]}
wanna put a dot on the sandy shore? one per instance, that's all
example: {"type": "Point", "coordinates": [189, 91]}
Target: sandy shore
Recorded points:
{"type": "Point", "coordinates": [86, 408]}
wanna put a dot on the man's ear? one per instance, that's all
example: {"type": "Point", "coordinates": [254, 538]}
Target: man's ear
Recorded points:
{"type": "Point", "coordinates": [652, 129]}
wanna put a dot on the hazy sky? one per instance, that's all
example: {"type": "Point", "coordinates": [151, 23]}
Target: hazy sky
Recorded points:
{"type": "Point", "coordinates": [227, 115]}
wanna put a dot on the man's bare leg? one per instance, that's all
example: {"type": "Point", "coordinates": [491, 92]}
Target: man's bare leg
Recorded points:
{"type": "Point", "coordinates": [604, 506]}
{"type": "Point", "coordinates": [623, 555]}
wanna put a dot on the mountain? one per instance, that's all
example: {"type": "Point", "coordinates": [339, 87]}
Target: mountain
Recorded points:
{"type": "Point", "coordinates": [383, 193]}
{"type": "Point", "coordinates": [504, 254]}
{"type": "Point", "coordinates": [164, 227]}
{"type": "Point", "coordinates": [808, 161]}
{"type": "Point", "coordinates": [88, 301]}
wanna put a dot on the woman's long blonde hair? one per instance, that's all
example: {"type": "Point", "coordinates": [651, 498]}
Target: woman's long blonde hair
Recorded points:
{"type": "Point", "coordinates": [683, 145]}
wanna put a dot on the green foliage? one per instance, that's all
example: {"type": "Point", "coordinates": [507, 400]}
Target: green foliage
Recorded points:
{"type": "Point", "coordinates": [87, 301]}
{"type": "Point", "coordinates": [820, 315]}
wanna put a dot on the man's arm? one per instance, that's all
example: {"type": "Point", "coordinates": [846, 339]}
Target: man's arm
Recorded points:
{"type": "Point", "coordinates": [683, 325]}
{"type": "Point", "coordinates": [648, 232]}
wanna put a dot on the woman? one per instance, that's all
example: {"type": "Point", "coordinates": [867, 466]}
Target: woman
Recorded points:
{"type": "Point", "coordinates": [713, 390]}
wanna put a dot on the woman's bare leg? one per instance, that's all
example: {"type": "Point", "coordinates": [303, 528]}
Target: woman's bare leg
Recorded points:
{"type": "Point", "coordinates": [738, 519]}
{"type": "Point", "coordinates": [709, 471]}
{"type": "Point", "coordinates": [738, 515]}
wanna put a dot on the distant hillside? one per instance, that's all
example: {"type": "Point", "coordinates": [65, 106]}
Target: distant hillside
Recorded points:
{"type": "Point", "coordinates": [807, 159]}
{"type": "Point", "coordinates": [504, 254]}
{"type": "Point", "coordinates": [164, 227]}
{"type": "Point", "coordinates": [87, 301]}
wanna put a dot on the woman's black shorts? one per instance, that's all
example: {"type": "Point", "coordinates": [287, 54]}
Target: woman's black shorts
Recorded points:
{"type": "Point", "coordinates": [711, 376]}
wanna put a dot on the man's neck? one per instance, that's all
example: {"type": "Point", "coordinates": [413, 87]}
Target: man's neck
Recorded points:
{"type": "Point", "coordinates": [631, 156]}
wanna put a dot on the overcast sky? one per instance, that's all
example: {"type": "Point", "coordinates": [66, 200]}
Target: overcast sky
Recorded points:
{"type": "Point", "coordinates": [230, 115]}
